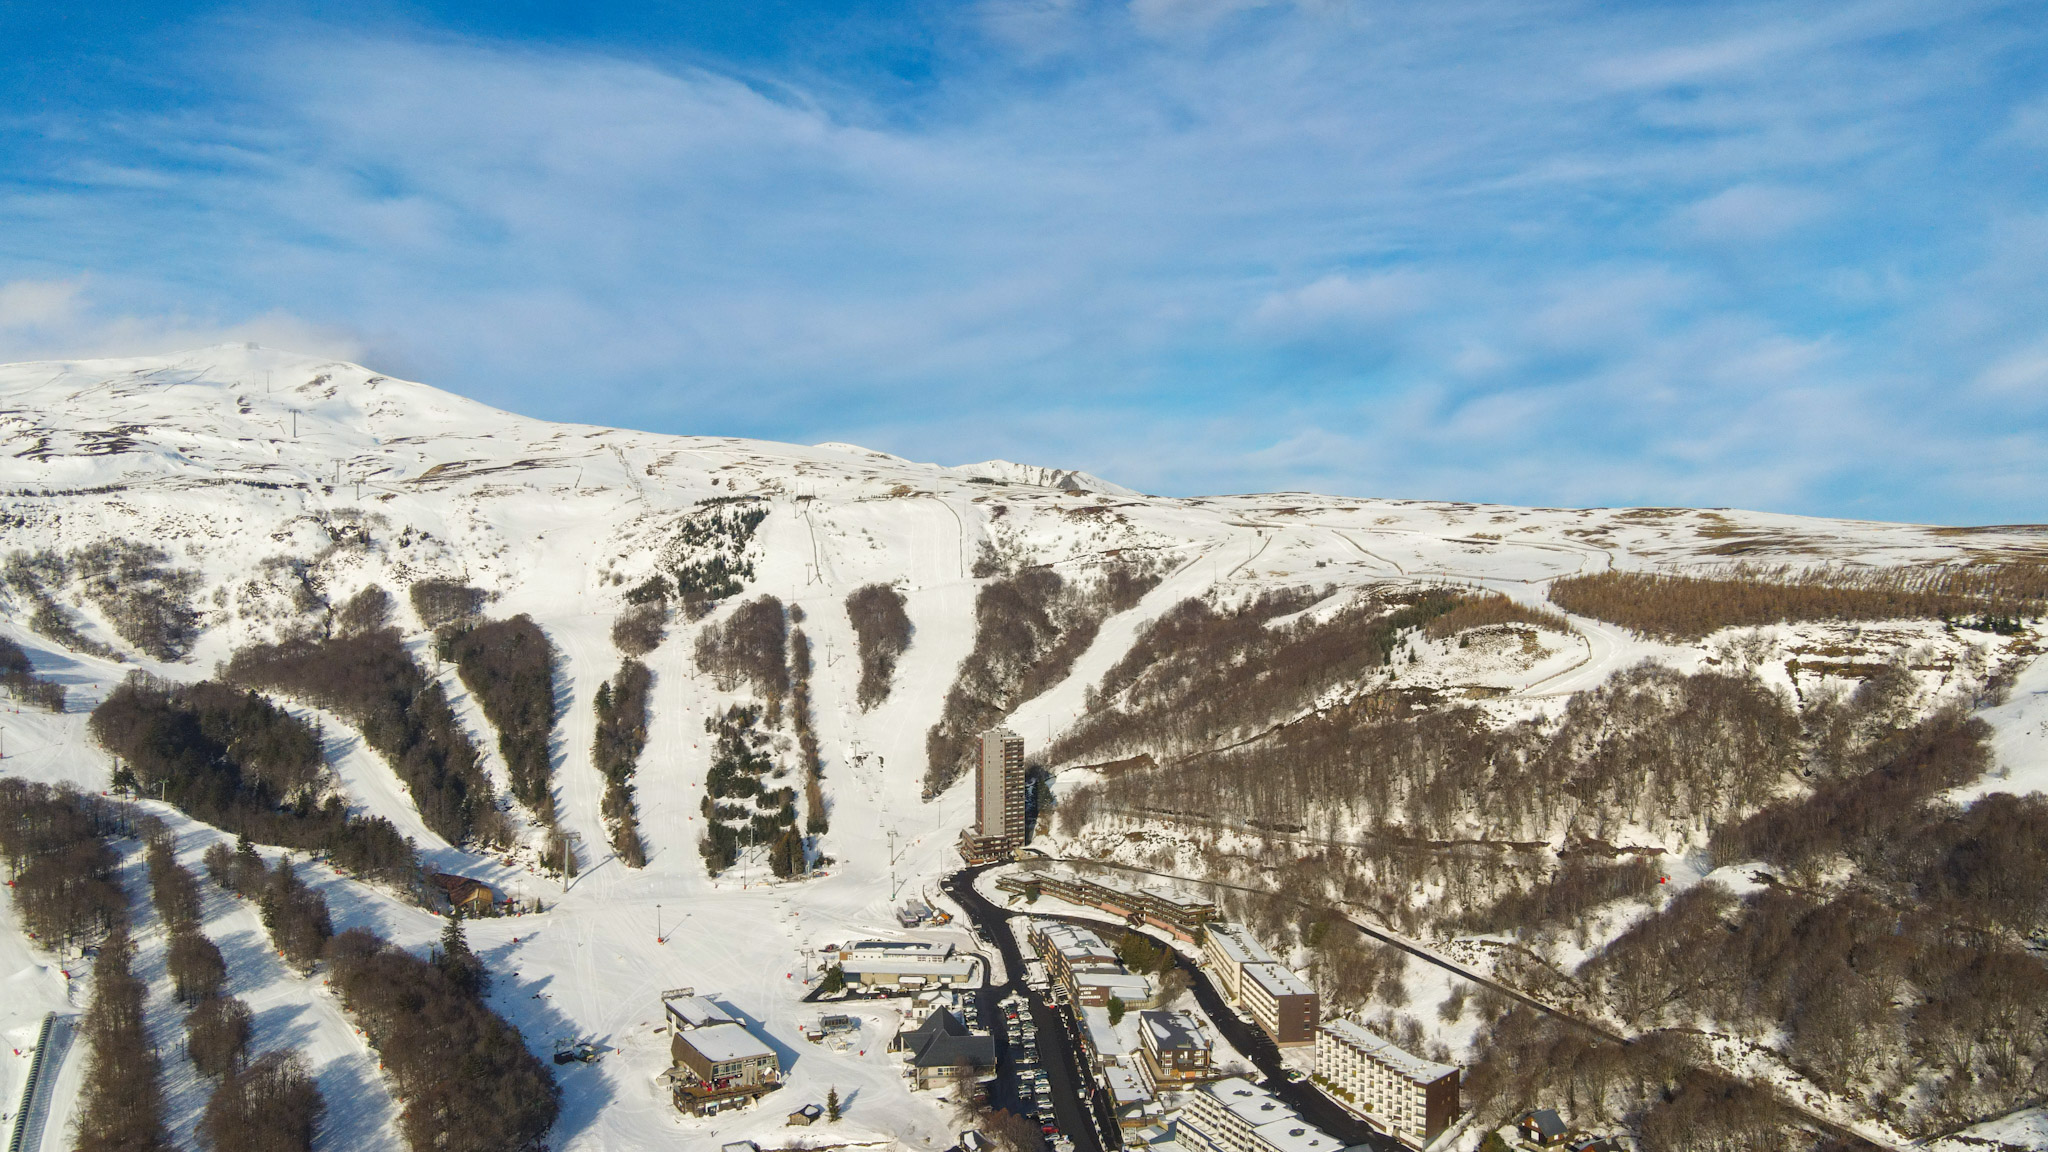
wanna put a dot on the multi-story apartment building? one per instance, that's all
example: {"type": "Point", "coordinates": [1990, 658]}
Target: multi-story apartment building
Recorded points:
{"type": "Point", "coordinates": [1236, 1115]}
{"type": "Point", "coordinates": [1175, 1050]}
{"type": "Point", "coordinates": [1412, 1098]}
{"type": "Point", "coordinates": [1285, 1006]}
{"type": "Point", "coordinates": [1283, 1003]}
{"type": "Point", "coordinates": [998, 798]}
{"type": "Point", "coordinates": [1226, 949]}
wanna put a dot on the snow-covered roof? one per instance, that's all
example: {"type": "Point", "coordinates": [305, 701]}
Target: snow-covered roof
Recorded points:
{"type": "Point", "coordinates": [1277, 980]}
{"type": "Point", "coordinates": [696, 1012]}
{"type": "Point", "coordinates": [1237, 945]}
{"type": "Point", "coordinates": [719, 1043]}
{"type": "Point", "coordinates": [1125, 1087]}
{"type": "Point", "coordinates": [1173, 1031]}
{"type": "Point", "coordinates": [1075, 943]}
{"type": "Point", "coordinates": [1407, 1064]}
{"type": "Point", "coordinates": [872, 949]}
{"type": "Point", "coordinates": [930, 967]}
{"type": "Point", "coordinates": [1274, 1122]}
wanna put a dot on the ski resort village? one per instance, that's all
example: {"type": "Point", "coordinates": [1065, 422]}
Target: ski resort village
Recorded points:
{"type": "Point", "coordinates": [382, 770]}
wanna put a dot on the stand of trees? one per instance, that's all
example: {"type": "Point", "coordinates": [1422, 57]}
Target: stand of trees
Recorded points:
{"type": "Point", "coordinates": [615, 750]}
{"type": "Point", "coordinates": [815, 819]}
{"type": "Point", "coordinates": [742, 805]}
{"type": "Point", "coordinates": [1202, 676]}
{"type": "Point", "coordinates": [35, 577]}
{"type": "Point", "coordinates": [750, 647]}
{"type": "Point", "coordinates": [270, 1106]}
{"type": "Point", "coordinates": [227, 756]}
{"type": "Point", "coordinates": [440, 603]}
{"type": "Point", "coordinates": [295, 915]}
{"type": "Point", "coordinates": [467, 1081]}
{"type": "Point", "coordinates": [121, 1105]}
{"type": "Point", "coordinates": [510, 667]}
{"type": "Point", "coordinates": [1678, 608]}
{"type": "Point", "coordinates": [59, 864]}
{"type": "Point", "coordinates": [18, 678]}
{"type": "Point", "coordinates": [148, 602]}
{"type": "Point", "coordinates": [640, 629]}
{"type": "Point", "coordinates": [372, 680]}
{"type": "Point", "coordinates": [1029, 628]}
{"type": "Point", "coordinates": [882, 629]}
{"type": "Point", "coordinates": [706, 557]}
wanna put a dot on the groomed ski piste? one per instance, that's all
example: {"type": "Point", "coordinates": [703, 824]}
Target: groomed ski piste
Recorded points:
{"type": "Point", "coordinates": [226, 456]}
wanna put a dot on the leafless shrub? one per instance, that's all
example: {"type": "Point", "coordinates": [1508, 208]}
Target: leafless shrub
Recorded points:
{"type": "Point", "coordinates": [372, 680]}
{"type": "Point", "coordinates": [366, 611]}
{"type": "Point", "coordinates": [148, 602]}
{"type": "Point", "coordinates": [1491, 609]}
{"type": "Point", "coordinates": [465, 1075]}
{"type": "Point", "coordinates": [58, 863]}
{"type": "Point", "coordinates": [18, 678]}
{"type": "Point", "coordinates": [1029, 628]}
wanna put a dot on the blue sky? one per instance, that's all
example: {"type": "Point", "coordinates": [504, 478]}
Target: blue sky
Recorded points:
{"type": "Point", "coordinates": [1780, 256]}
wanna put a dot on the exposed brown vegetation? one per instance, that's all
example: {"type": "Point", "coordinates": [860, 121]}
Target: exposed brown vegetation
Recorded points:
{"type": "Point", "coordinates": [232, 759]}
{"type": "Point", "coordinates": [509, 666]}
{"type": "Point", "coordinates": [815, 820]}
{"type": "Point", "coordinates": [1202, 677]}
{"type": "Point", "coordinates": [439, 603]}
{"type": "Point", "coordinates": [270, 1106]}
{"type": "Point", "coordinates": [750, 647]}
{"type": "Point", "coordinates": [217, 1031]}
{"type": "Point", "coordinates": [1680, 607]}
{"type": "Point", "coordinates": [18, 679]}
{"type": "Point", "coordinates": [465, 1076]}
{"type": "Point", "coordinates": [641, 628]}
{"type": "Point", "coordinates": [1491, 609]}
{"type": "Point", "coordinates": [1029, 628]}
{"type": "Point", "coordinates": [372, 680]}
{"type": "Point", "coordinates": [121, 1104]}
{"type": "Point", "coordinates": [59, 864]}
{"type": "Point", "coordinates": [882, 629]}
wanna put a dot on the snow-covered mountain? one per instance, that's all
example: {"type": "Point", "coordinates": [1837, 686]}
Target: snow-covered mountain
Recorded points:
{"type": "Point", "coordinates": [271, 482]}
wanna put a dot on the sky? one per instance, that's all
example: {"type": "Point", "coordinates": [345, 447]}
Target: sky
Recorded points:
{"type": "Point", "coordinates": [1786, 256]}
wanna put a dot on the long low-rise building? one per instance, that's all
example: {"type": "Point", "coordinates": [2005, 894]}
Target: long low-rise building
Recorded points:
{"type": "Point", "coordinates": [1083, 965]}
{"type": "Point", "coordinates": [1411, 1097]}
{"type": "Point", "coordinates": [1235, 1115]}
{"type": "Point", "coordinates": [1161, 904]}
{"type": "Point", "coordinates": [904, 963]}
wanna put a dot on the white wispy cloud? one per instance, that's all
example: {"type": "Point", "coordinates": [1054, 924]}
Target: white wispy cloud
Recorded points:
{"type": "Point", "coordinates": [1737, 255]}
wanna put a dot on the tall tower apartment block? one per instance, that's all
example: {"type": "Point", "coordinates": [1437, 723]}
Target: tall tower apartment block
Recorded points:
{"type": "Point", "coordinates": [998, 798]}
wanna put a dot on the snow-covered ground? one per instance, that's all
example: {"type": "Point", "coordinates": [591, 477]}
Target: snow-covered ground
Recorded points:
{"type": "Point", "coordinates": [233, 456]}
